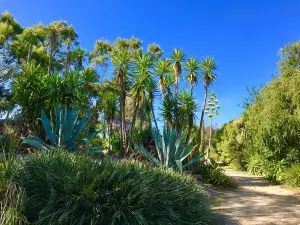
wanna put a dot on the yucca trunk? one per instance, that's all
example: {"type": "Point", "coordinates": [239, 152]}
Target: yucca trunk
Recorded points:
{"type": "Point", "coordinates": [67, 58]}
{"type": "Point", "coordinates": [190, 124]}
{"type": "Point", "coordinates": [50, 59]}
{"type": "Point", "coordinates": [136, 106]}
{"type": "Point", "coordinates": [110, 135]}
{"type": "Point", "coordinates": [122, 112]}
{"type": "Point", "coordinates": [202, 116]}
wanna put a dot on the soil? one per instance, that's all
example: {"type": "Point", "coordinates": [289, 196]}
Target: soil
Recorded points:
{"type": "Point", "coordinates": [257, 202]}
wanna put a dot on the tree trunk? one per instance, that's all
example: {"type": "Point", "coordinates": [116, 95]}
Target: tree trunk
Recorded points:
{"type": "Point", "coordinates": [67, 58]}
{"type": "Point", "coordinates": [110, 135]}
{"type": "Point", "coordinates": [29, 53]}
{"type": "Point", "coordinates": [122, 112]}
{"type": "Point", "coordinates": [136, 105]}
{"type": "Point", "coordinates": [142, 115]}
{"type": "Point", "coordinates": [202, 115]}
{"type": "Point", "coordinates": [190, 124]}
{"type": "Point", "coordinates": [50, 60]}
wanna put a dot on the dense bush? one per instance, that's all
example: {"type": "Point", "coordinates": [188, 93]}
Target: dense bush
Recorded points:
{"type": "Point", "coordinates": [268, 139]}
{"type": "Point", "coordinates": [64, 188]}
{"type": "Point", "coordinates": [291, 176]}
{"type": "Point", "coordinates": [213, 174]}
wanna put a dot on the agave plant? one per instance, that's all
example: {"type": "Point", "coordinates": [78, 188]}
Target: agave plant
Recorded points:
{"type": "Point", "coordinates": [171, 150]}
{"type": "Point", "coordinates": [65, 132]}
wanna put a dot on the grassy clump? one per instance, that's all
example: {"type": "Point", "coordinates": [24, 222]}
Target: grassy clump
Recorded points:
{"type": "Point", "coordinates": [64, 188]}
{"type": "Point", "coordinates": [213, 174]}
{"type": "Point", "coordinates": [291, 176]}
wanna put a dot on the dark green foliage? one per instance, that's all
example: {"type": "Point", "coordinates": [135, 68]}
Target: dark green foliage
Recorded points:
{"type": "Point", "coordinates": [213, 174]}
{"type": "Point", "coordinates": [230, 144]}
{"type": "Point", "coordinates": [268, 138]}
{"type": "Point", "coordinates": [291, 176]}
{"type": "Point", "coordinates": [63, 188]}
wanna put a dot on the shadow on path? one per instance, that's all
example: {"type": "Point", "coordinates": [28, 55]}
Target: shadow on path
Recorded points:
{"type": "Point", "coordinates": [257, 202]}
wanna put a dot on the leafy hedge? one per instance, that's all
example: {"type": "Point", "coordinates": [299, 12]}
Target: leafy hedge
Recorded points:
{"type": "Point", "coordinates": [213, 174]}
{"type": "Point", "coordinates": [64, 188]}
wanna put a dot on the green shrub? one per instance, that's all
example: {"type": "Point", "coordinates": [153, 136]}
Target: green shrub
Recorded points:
{"type": "Point", "coordinates": [272, 170]}
{"type": "Point", "coordinates": [291, 176]}
{"type": "Point", "coordinates": [64, 188]}
{"type": "Point", "coordinates": [213, 174]}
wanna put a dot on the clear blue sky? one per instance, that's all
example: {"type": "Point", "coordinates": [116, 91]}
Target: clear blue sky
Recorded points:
{"type": "Point", "coordinates": [243, 35]}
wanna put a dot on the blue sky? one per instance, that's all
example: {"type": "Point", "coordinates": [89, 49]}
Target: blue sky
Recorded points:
{"type": "Point", "coordinates": [244, 36]}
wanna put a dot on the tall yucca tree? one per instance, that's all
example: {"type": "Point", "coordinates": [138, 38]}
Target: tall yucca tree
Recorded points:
{"type": "Point", "coordinates": [142, 65]}
{"type": "Point", "coordinates": [162, 69]}
{"type": "Point", "coordinates": [121, 59]}
{"type": "Point", "coordinates": [207, 68]}
{"type": "Point", "coordinates": [178, 57]}
{"type": "Point", "coordinates": [192, 66]}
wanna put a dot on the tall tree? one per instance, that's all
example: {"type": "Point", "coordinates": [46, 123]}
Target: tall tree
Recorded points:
{"type": "Point", "coordinates": [142, 65]}
{"type": "Point", "coordinates": [178, 58]}
{"type": "Point", "coordinates": [121, 58]}
{"type": "Point", "coordinates": [207, 68]}
{"type": "Point", "coordinates": [69, 38]}
{"type": "Point", "coordinates": [55, 31]}
{"type": "Point", "coordinates": [192, 66]}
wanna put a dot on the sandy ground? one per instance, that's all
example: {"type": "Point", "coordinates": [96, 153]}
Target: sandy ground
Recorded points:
{"type": "Point", "coordinates": [257, 202]}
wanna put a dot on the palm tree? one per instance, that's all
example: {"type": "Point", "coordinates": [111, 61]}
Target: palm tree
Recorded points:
{"type": "Point", "coordinates": [163, 68]}
{"type": "Point", "coordinates": [178, 57]}
{"type": "Point", "coordinates": [79, 56]}
{"type": "Point", "coordinates": [121, 58]}
{"type": "Point", "coordinates": [142, 65]}
{"type": "Point", "coordinates": [207, 67]}
{"type": "Point", "coordinates": [192, 66]}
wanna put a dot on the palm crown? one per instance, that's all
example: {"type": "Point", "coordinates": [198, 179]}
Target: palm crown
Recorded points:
{"type": "Point", "coordinates": [207, 66]}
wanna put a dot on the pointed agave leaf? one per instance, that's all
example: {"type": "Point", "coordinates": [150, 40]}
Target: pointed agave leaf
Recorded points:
{"type": "Point", "coordinates": [81, 125]}
{"type": "Point", "coordinates": [186, 152]}
{"type": "Point", "coordinates": [158, 144]}
{"type": "Point", "coordinates": [196, 159]}
{"type": "Point", "coordinates": [91, 136]}
{"type": "Point", "coordinates": [48, 128]}
{"type": "Point", "coordinates": [57, 124]}
{"type": "Point", "coordinates": [71, 120]}
{"type": "Point", "coordinates": [36, 143]}
{"type": "Point", "coordinates": [179, 165]}
{"type": "Point", "coordinates": [148, 155]}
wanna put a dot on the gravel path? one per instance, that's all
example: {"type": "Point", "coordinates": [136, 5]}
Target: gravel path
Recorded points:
{"type": "Point", "coordinates": [257, 202]}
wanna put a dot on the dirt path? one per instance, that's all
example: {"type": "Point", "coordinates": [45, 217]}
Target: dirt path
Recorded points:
{"type": "Point", "coordinates": [256, 202]}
